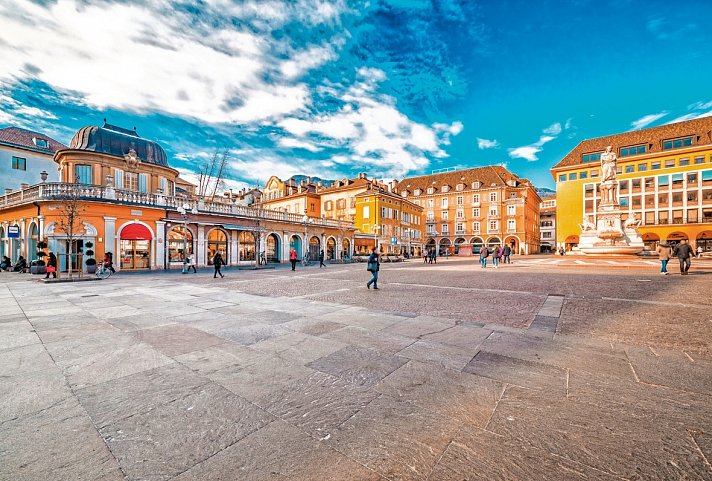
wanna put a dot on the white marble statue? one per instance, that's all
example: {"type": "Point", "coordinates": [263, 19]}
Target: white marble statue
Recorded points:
{"type": "Point", "coordinates": [632, 222]}
{"type": "Point", "coordinates": [587, 225]}
{"type": "Point", "coordinates": [608, 165]}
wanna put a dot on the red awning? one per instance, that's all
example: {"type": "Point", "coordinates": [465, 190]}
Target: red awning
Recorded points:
{"type": "Point", "coordinates": [136, 232]}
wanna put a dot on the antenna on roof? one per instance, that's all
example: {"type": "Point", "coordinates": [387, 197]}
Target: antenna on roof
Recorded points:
{"type": "Point", "coordinates": [104, 119]}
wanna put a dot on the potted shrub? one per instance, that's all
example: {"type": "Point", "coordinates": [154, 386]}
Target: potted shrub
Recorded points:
{"type": "Point", "coordinates": [38, 266]}
{"type": "Point", "coordinates": [90, 262]}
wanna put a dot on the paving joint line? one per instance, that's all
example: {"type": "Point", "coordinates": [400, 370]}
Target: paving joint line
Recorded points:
{"type": "Point", "coordinates": [496, 404]}
{"type": "Point", "coordinates": [699, 449]}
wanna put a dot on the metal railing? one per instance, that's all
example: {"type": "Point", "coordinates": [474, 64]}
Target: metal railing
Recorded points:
{"type": "Point", "coordinates": [62, 190]}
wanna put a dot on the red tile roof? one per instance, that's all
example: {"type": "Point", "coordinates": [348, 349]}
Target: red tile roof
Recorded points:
{"type": "Point", "coordinates": [487, 176]}
{"type": "Point", "coordinates": [652, 138]}
{"type": "Point", "coordinates": [23, 139]}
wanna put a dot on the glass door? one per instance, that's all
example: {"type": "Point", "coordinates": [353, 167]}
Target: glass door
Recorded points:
{"type": "Point", "coordinates": [127, 254]}
{"type": "Point", "coordinates": [142, 254]}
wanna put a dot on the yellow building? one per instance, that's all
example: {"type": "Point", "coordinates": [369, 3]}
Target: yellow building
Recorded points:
{"type": "Point", "coordinates": [379, 215]}
{"type": "Point", "coordinates": [665, 180]}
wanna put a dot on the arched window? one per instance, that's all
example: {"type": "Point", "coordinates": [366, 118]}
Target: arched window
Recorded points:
{"type": "Point", "coordinates": [247, 246]}
{"type": "Point", "coordinates": [217, 242]}
{"type": "Point", "coordinates": [176, 246]}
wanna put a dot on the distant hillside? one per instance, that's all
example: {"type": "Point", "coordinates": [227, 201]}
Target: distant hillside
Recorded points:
{"type": "Point", "coordinates": [545, 193]}
{"type": "Point", "coordinates": [324, 182]}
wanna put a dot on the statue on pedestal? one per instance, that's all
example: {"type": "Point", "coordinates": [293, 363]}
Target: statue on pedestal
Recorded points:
{"type": "Point", "coordinates": [608, 165]}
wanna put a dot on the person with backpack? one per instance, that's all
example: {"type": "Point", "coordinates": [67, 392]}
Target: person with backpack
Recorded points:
{"type": "Point", "coordinates": [506, 252]}
{"type": "Point", "coordinates": [496, 256]}
{"type": "Point", "coordinates": [373, 267]}
{"type": "Point", "coordinates": [218, 263]}
{"type": "Point", "coordinates": [484, 254]}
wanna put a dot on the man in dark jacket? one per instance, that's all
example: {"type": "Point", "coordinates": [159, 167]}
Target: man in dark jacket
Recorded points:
{"type": "Point", "coordinates": [321, 259]}
{"type": "Point", "coordinates": [373, 268]}
{"type": "Point", "coordinates": [506, 252]}
{"type": "Point", "coordinates": [217, 264]}
{"type": "Point", "coordinates": [684, 252]}
{"type": "Point", "coordinates": [484, 254]}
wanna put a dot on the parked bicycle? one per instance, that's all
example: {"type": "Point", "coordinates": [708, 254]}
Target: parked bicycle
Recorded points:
{"type": "Point", "coordinates": [103, 272]}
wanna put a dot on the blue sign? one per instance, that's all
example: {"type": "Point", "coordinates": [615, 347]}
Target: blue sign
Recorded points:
{"type": "Point", "coordinates": [13, 231]}
{"type": "Point", "coordinates": [394, 241]}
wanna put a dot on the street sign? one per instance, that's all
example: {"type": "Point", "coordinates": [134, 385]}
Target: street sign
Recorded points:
{"type": "Point", "coordinates": [13, 232]}
{"type": "Point", "coordinates": [394, 241]}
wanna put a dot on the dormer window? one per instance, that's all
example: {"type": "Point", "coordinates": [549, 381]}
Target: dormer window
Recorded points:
{"type": "Point", "coordinates": [592, 157]}
{"type": "Point", "coordinates": [445, 188]}
{"type": "Point", "coordinates": [41, 143]}
{"type": "Point", "coordinates": [476, 185]}
{"type": "Point", "coordinates": [460, 187]}
{"type": "Point", "coordinates": [430, 190]}
{"type": "Point", "coordinates": [417, 192]}
{"type": "Point", "coordinates": [677, 143]}
{"type": "Point", "coordinates": [634, 150]}
{"type": "Point", "coordinates": [404, 194]}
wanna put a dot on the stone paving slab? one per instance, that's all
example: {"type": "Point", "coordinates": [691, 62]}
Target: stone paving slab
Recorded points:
{"type": "Point", "coordinates": [377, 340]}
{"type": "Point", "coordinates": [55, 444]}
{"type": "Point", "coordinates": [358, 365]}
{"type": "Point", "coordinates": [475, 455]}
{"type": "Point", "coordinates": [173, 437]}
{"type": "Point", "coordinates": [221, 356]}
{"type": "Point", "coordinates": [299, 347]}
{"type": "Point", "coordinates": [624, 446]}
{"type": "Point", "coordinates": [17, 334]}
{"type": "Point", "coordinates": [279, 452]}
{"type": "Point", "coordinates": [468, 398]}
{"type": "Point", "coordinates": [443, 355]}
{"type": "Point", "coordinates": [176, 340]}
{"type": "Point", "coordinates": [671, 369]}
{"type": "Point", "coordinates": [403, 449]}
{"type": "Point", "coordinates": [515, 371]}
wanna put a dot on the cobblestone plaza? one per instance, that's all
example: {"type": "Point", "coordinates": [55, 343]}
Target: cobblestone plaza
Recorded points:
{"type": "Point", "coordinates": [536, 370]}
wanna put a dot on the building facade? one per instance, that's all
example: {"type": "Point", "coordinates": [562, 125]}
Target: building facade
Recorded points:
{"type": "Point", "coordinates": [466, 209]}
{"type": "Point", "coordinates": [665, 181]}
{"type": "Point", "coordinates": [547, 225]}
{"type": "Point", "coordinates": [378, 214]}
{"type": "Point", "coordinates": [124, 195]}
{"type": "Point", "coordinates": [24, 154]}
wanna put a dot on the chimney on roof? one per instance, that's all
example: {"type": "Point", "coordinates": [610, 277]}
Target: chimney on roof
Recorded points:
{"type": "Point", "coordinates": [308, 180]}
{"type": "Point", "coordinates": [8, 190]}
{"type": "Point", "coordinates": [24, 186]}
{"type": "Point", "coordinates": [390, 187]}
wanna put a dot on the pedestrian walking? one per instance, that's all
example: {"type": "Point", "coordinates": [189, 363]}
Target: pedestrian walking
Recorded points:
{"type": "Point", "coordinates": [699, 252]}
{"type": "Point", "coordinates": [293, 257]}
{"type": "Point", "coordinates": [496, 256]}
{"type": "Point", "coordinates": [506, 252]}
{"type": "Point", "coordinates": [373, 267]}
{"type": "Point", "coordinates": [321, 259]}
{"type": "Point", "coordinates": [191, 263]}
{"type": "Point", "coordinates": [684, 252]}
{"type": "Point", "coordinates": [561, 251]}
{"type": "Point", "coordinates": [435, 255]}
{"type": "Point", "coordinates": [426, 255]}
{"type": "Point", "coordinates": [664, 253]}
{"type": "Point", "coordinates": [51, 266]}
{"type": "Point", "coordinates": [218, 263]}
{"type": "Point", "coordinates": [484, 254]}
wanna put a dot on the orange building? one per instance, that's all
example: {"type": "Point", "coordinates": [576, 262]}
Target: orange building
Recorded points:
{"type": "Point", "coordinates": [466, 209]}
{"type": "Point", "coordinates": [126, 196]}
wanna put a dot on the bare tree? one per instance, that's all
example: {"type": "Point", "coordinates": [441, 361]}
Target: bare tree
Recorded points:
{"type": "Point", "coordinates": [210, 175]}
{"type": "Point", "coordinates": [70, 215]}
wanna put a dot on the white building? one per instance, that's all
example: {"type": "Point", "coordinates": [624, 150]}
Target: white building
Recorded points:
{"type": "Point", "coordinates": [24, 154]}
{"type": "Point", "coordinates": [547, 225]}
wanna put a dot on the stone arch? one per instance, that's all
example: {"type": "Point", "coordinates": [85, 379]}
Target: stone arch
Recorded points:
{"type": "Point", "coordinates": [458, 243]}
{"type": "Point", "coordinates": [273, 247]}
{"type": "Point", "coordinates": [651, 240]}
{"type": "Point", "coordinates": [571, 242]}
{"type": "Point", "coordinates": [514, 242]}
{"type": "Point", "coordinates": [295, 242]}
{"type": "Point", "coordinates": [674, 238]}
{"type": "Point", "coordinates": [494, 241]}
{"type": "Point", "coordinates": [704, 240]}
{"type": "Point", "coordinates": [345, 248]}
{"type": "Point", "coordinates": [330, 248]}
{"type": "Point", "coordinates": [314, 247]}
{"type": "Point", "coordinates": [445, 245]}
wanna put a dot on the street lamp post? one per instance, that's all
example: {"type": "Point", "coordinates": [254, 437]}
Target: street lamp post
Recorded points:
{"type": "Point", "coordinates": [306, 221]}
{"type": "Point", "coordinates": [183, 211]}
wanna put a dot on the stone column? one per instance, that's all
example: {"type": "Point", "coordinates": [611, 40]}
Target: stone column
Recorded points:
{"type": "Point", "coordinates": [160, 258]}
{"type": "Point", "coordinates": [200, 247]}
{"type": "Point", "coordinates": [110, 244]}
{"type": "Point", "coordinates": [24, 241]}
{"type": "Point", "coordinates": [234, 247]}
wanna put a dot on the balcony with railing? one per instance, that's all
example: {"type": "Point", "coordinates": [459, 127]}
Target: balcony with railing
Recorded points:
{"type": "Point", "coordinates": [58, 191]}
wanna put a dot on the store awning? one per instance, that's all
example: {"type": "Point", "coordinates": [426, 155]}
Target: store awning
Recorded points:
{"type": "Point", "coordinates": [135, 232]}
{"type": "Point", "coordinates": [239, 227]}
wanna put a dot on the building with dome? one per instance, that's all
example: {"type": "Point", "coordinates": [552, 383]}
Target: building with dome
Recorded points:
{"type": "Point", "coordinates": [130, 202]}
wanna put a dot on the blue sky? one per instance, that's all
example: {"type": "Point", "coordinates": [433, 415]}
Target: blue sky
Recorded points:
{"type": "Point", "coordinates": [390, 87]}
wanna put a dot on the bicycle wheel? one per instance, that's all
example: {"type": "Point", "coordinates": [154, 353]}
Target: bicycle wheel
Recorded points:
{"type": "Point", "coordinates": [103, 273]}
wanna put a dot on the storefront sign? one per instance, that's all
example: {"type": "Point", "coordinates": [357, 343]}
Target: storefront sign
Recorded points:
{"type": "Point", "coordinates": [137, 212]}
{"type": "Point", "coordinates": [13, 232]}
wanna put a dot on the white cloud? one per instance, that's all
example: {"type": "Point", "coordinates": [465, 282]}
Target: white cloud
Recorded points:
{"type": "Point", "coordinates": [553, 129]}
{"type": "Point", "coordinates": [147, 57]}
{"type": "Point", "coordinates": [647, 120]}
{"type": "Point", "coordinates": [298, 144]}
{"type": "Point", "coordinates": [487, 144]}
{"type": "Point", "coordinates": [700, 105]}
{"type": "Point", "coordinates": [527, 152]}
